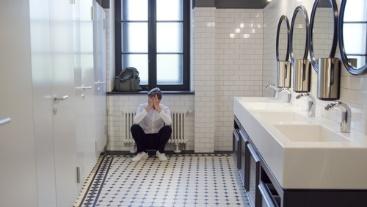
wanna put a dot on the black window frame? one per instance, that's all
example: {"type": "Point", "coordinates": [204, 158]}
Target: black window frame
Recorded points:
{"type": "Point", "coordinates": [152, 46]}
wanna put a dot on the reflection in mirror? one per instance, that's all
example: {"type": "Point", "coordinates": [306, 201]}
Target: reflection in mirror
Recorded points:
{"type": "Point", "coordinates": [299, 35]}
{"type": "Point", "coordinates": [323, 29]}
{"type": "Point", "coordinates": [283, 42]}
{"type": "Point", "coordinates": [299, 50]}
{"type": "Point", "coordinates": [282, 53]}
{"type": "Point", "coordinates": [355, 33]}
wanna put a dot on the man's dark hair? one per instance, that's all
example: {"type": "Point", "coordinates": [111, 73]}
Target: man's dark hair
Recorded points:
{"type": "Point", "coordinates": [155, 92]}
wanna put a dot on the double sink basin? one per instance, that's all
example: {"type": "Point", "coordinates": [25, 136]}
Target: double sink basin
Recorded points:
{"type": "Point", "coordinates": [302, 152]}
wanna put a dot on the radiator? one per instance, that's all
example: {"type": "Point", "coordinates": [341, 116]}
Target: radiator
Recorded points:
{"type": "Point", "coordinates": [178, 129]}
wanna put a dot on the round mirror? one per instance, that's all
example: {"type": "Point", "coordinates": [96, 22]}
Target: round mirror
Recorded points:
{"type": "Point", "coordinates": [282, 42]}
{"type": "Point", "coordinates": [323, 30]}
{"type": "Point", "coordinates": [353, 35]}
{"type": "Point", "coordinates": [299, 34]}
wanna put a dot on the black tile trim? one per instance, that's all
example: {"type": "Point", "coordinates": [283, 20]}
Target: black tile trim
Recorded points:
{"type": "Point", "coordinates": [184, 152]}
{"type": "Point", "coordinates": [146, 92]}
{"type": "Point", "coordinates": [92, 181]}
{"type": "Point", "coordinates": [108, 161]}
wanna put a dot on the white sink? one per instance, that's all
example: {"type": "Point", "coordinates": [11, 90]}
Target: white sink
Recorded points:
{"type": "Point", "coordinates": [303, 153]}
{"type": "Point", "coordinates": [280, 116]}
{"type": "Point", "coordinates": [309, 133]}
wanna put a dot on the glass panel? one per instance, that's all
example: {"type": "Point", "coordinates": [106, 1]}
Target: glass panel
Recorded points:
{"type": "Point", "coordinates": [355, 10]}
{"type": "Point", "coordinates": [169, 69]}
{"type": "Point", "coordinates": [139, 62]}
{"type": "Point", "coordinates": [86, 37]}
{"type": "Point", "coordinates": [134, 37]}
{"type": "Point", "coordinates": [169, 37]}
{"type": "Point", "coordinates": [135, 10]}
{"type": "Point", "coordinates": [169, 10]}
{"type": "Point", "coordinates": [355, 38]}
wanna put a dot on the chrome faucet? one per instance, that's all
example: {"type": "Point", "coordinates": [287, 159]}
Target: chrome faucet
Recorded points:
{"type": "Point", "coordinates": [289, 94]}
{"type": "Point", "coordinates": [346, 115]}
{"type": "Point", "coordinates": [274, 88]}
{"type": "Point", "coordinates": [311, 103]}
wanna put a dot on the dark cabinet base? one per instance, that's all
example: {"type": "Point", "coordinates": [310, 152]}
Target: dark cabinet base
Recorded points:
{"type": "Point", "coordinates": [325, 198]}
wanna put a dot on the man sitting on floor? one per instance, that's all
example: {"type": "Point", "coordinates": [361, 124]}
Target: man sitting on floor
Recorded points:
{"type": "Point", "coordinates": [152, 126]}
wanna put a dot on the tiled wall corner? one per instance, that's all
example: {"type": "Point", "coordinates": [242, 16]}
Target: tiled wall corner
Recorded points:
{"type": "Point", "coordinates": [204, 72]}
{"type": "Point", "coordinates": [238, 64]}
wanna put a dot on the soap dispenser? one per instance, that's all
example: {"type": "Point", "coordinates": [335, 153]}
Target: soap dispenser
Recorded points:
{"type": "Point", "coordinates": [328, 79]}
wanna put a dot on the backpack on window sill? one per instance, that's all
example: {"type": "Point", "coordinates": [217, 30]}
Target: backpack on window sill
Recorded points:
{"type": "Point", "coordinates": [127, 81]}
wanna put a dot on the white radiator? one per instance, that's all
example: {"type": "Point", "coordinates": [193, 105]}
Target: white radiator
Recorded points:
{"type": "Point", "coordinates": [178, 129]}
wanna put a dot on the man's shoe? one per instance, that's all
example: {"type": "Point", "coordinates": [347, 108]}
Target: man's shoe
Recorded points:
{"type": "Point", "coordinates": [139, 156]}
{"type": "Point", "coordinates": [161, 156]}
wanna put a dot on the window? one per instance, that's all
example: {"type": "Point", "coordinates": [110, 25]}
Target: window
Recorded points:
{"type": "Point", "coordinates": [153, 36]}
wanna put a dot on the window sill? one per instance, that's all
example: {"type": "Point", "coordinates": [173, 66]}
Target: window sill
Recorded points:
{"type": "Point", "coordinates": [146, 92]}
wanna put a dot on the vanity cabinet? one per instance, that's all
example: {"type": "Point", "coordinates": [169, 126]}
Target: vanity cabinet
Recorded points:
{"type": "Point", "coordinates": [264, 190]}
{"type": "Point", "coordinates": [253, 176]}
{"type": "Point", "coordinates": [244, 159]}
{"type": "Point", "coordinates": [237, 149]}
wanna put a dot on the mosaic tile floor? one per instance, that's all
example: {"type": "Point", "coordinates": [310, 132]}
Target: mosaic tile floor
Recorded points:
{"type": "Point", "coordinates": [183, 180]}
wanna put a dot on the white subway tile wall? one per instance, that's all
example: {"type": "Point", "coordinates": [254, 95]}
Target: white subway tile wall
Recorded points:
{"type": "Point", "coordinates": [353, 88]}
{"type": "Point", "coordinates": [227, 48]}
{"type": "Point", "coordinates": [203, 43]}
{"type": "Point", "coordinates": [238, 65]}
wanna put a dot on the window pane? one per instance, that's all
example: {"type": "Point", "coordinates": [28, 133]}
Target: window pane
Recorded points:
{"type": "Point", "coordinates": [169, 37]}
{"type": "Point", "coordinates": [169, 10]}
{"type": "Point", "coordinates": [355, 10]}
{"type": "Point", "coordinates": [355, 38]}
{"type": "Point", "coordinates": [139, 62]}
{"type": "Point", "coordinates": [169, 69]}
{"type": "Point", "coordinates": [134, 37]}
{"type": "Point", "coordinates": [134, 10]}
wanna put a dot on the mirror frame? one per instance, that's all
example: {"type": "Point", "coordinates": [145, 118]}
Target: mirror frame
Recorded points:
{"type": "Point", "coordinates": [352, 70]}
{"type": "Point", "coordinates": [335, 37]}
{"type": "Point", "coordinates": [282, 19]}
{"type": "Point", "coordinates": [300, 10]}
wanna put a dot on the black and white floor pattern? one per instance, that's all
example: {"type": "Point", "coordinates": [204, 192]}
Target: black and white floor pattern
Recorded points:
{"type": "Point", "coordinates": [183, 180]}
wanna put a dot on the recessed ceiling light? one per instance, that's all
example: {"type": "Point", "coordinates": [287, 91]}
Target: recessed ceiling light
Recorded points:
{"type": "Point", "coordinates": [232, 35]}
{"type": "Point", "coordinates": [269, 0]}
{"type": "Point", "coordinates": [238, 30]}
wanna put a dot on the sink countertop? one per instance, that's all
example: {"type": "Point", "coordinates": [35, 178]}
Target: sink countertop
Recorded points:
{"type": "Point", "coordinates": [303, 164]}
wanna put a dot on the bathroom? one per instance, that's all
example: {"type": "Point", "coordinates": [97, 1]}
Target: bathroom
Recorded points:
{"type": "Point", "coordinates": [267, 98]}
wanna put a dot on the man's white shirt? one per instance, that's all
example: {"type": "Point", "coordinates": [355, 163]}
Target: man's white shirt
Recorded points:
{"type": "Point", "coordinates": [152, 121]}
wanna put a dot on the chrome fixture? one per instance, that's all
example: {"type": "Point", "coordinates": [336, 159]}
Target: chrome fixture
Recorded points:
{"type": "Point", "coordinates": [311, 103]}
{"type": "Point", "coordinates": [302, 76]}
{"type": "Point", "coordinates": [58, 99]}
{"type": "Point", "coordinates": [4, 120]}
{"type": "Point", "coordinates": [328, 79]}
{"type": "Point", "coordinates": [289, 94]}
{"type": "Point", "coordinates": [346, 118]}
{"type": "Point", "coordinates": [284, 74]}
{"type": "Point", "coordinates": [274, 88]}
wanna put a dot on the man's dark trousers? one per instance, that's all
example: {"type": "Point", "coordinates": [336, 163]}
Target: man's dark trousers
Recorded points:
{"type": "Point", "coordinates": [155, 141]}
